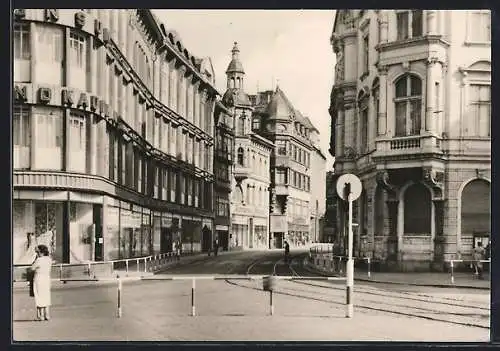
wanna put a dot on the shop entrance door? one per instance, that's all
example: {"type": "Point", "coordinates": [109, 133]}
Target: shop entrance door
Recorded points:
{"type": "Point", "coordinates": [206, 239]}
{"type": "Point", "coordinates": [99, 241]}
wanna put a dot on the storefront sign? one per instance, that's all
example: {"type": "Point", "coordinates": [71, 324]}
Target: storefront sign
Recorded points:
{"type": "Point", "coordinates": [52, 15]}
{"type": "Point", "coordinates": [221, 227]}
{"type": "Point", "coordinates": [80, 18]}
{"type": "Point", "coordinates": [44, 95]}
{"type": "Point", "coordinates": [20, 93]}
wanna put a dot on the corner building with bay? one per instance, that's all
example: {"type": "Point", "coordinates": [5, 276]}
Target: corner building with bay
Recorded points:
{"type": "Point", "coordinates": [113, 136]}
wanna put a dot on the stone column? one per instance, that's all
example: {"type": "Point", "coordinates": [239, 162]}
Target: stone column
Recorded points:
{"type": "Point", "coordinates": [431, 22]}
{"type": "Point", "coordinates": [392, 240]}
{"type": "Point", "coordinates": [382, 113]}
{"type": "Point", "coordinates": [383, 22]}
{"type": "Point", "coordinates": [439, 238]}
{"type": "Point", "coordinates": [339, 130]}
{"type": "Point", "coordinates": [351, 53]}
{"type": "Point", "coordinates": [34, 51]}
{"type": "Point", "coordinates": [94, 75]}
{"type": "Point", "coordinates": [432, 77]}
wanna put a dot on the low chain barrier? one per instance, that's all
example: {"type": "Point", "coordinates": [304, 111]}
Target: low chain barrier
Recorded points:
{"type": "Point", "coordinates": [268, 284]}
{"type": "Point", "coordinates": [453, 266]}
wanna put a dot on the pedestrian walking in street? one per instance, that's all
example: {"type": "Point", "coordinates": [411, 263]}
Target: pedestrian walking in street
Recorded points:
{"type": "Point", "coordinates": [178, 249]}
{"type": "Point", "coordinates": [216, 246]}
{"type": "Point", "coordinates": [287, 251]}
{"type": "Point", "coordinates": [478, 255]}
{"type": "Point", "coordinates": [41, 282]}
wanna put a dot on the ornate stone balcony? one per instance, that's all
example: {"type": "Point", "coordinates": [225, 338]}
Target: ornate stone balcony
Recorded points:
{"type": "Point", "coordinates": [241, 172]}
{"type": "Point", "coordinates": [281, 189]}
{"type": "Point", "coordinates": [408, 147]}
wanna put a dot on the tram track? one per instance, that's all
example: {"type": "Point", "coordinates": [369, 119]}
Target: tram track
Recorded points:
{"type": "Point", "coordinates": [470, 315]}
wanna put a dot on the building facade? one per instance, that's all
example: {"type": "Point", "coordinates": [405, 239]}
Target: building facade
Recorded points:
{"type": "Point", "coordinates": [317, 205]}
{"type": "Point", "coordinates": [330, 230]}
{"type": "Point", "coordinates": [410, 111]}
{"type": "Point", "coordinates": [223, 171]}
{"type": "Point", "coordinates": [250, 188]}
{"type": "Point", "coordinates": [113, 136]}
{"type": "Point", "coordinates": [276, 119]}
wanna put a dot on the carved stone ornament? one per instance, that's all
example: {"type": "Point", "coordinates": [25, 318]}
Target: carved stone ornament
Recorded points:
{"type": "Point", "coordinates": [481, 173]}
{"type": "Point", "coordinates": [384, 181]}
{"type": "Point", "coordinates": [434, 179]}
{"type": "Point", "coordinates": [348, 19]}
{"type": "Point", "coordinates": [350, 153]}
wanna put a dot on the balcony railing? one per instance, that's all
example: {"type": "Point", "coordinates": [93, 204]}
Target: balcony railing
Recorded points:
{"type": "Point", "coordinates": [408, 145]}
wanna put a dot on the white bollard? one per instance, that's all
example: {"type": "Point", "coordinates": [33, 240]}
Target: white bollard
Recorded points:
{"type": "Point", "coordinates": [452, 277]}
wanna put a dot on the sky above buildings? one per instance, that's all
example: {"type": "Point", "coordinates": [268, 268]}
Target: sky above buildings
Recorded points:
{"type": "Point", "coordinates": [289, 48]}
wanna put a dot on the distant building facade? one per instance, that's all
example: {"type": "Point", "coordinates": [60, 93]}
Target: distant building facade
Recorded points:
{"type": "Point", "coordinates": [330, 231]}
{"type": "Point", "coordinates": [223, 171]}
{"type": "Point", "coordinates": [113, 136]}
{"type": "Point", "coordinates": [411, 117]}
{"type": "Point", "coordinates": [250, 188]}
{"type": "Point", "coordinates": [293, 211]}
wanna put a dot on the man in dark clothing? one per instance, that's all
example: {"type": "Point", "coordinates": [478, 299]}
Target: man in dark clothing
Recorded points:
{"type": "Point", "coordinates": [216, 246]}
{"type": "Point", "coordinates": [287, 251]}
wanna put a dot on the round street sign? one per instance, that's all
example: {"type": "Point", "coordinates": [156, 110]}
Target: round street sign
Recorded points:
{"type": "Point", "coordinates": [355, 183]}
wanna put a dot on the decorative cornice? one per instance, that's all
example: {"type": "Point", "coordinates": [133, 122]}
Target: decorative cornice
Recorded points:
{"type": "Point", "coordinates": [434, 179]}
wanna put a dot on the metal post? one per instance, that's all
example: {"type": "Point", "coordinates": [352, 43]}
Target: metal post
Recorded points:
{"type": "Point", "coordinates": [369, 266]}
{"type": "Point", "coordinates": [137, 261]}
{"type": "Point", "coordinates": [452, 277]}
{"type": "Point", "coordinates": [193, 307]}
{"type": "Point", "coordinates": [119, 314]}
{"type": "Point", "coordinates": [145, 264]}
{"type": "Point", "coordinates": [88, 266]}
{"type": "Point", "coordinates": [271, 306]}
{"type": "Point", "coordinates": [60, 271]}
{"type": "Point", "coordinates": [126, 266]}
{"type": "Point", "coordinates": [350, 265]}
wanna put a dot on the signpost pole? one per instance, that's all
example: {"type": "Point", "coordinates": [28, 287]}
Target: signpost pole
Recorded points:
{"type": "Point", "coordinates": [350, 263]}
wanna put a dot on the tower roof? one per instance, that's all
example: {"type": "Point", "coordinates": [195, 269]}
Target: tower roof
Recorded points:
{"type": "Point", "coordinates": [235, 64]}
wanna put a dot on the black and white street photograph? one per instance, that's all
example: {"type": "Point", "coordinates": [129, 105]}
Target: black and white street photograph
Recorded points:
{"type": "Point", "coordinates": [251, 175]}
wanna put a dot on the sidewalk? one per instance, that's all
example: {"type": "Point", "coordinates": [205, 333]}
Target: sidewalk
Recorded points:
{"type": "Point", "coordinates": [433, 279]}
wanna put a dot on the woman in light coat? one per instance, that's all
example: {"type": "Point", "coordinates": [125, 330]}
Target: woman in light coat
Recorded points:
{"type": "Point", "coordinates": [41, 282]}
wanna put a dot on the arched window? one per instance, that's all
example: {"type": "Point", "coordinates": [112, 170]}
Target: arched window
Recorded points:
{"type": "Point", "coordinates": [408, 105]}
{"type": "Point", "coordinates": [417, 210]}
{"type": "Point", "coordinates": [240, 156]}
{"type": "Point", "coordinates": [241, 125]}
{"type": "Point", "coordinates": [232, 83]}
{"type": "Point", "coordinates": [475, 208]}
{"type": "Point", "coordinates": [238, 85]}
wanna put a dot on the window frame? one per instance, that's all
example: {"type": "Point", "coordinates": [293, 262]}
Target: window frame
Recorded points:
{"type": "Point", "coordinates": [410, 23]}
{"type": "Point", "coordinates": [23, 52]}
{"type": "Point", "coordinates": [408, 99]}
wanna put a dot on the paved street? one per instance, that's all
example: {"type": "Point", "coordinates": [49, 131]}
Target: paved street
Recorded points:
{"type": "Point", "coordinates": [239, 310]}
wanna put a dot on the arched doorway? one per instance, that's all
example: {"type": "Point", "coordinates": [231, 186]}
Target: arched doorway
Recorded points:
{"type": "Point", "coordinates": [475, 214]}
